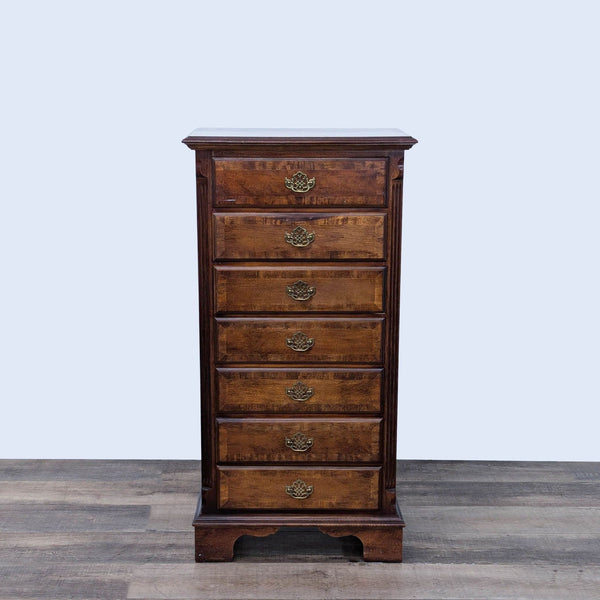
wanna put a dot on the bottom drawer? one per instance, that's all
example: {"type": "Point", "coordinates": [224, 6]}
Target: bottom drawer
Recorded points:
{"type": "Point", "coordinates": [304, 488]}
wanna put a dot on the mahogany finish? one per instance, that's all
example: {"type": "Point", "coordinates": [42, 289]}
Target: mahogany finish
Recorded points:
{"type": "Point", "coordinates": [264, 488]}
{"type": "Point", "coordinates": [299, 270]}
{"type": "Point", "coordinates": [345, 391]}
{"type": "Point", "coordinates": [331, 440]}
{"type": "Point", "coordinates": [265, 340]}
{"type": "Point", "coordinates": [342, 182]}
{"type": "Point", "coordinates": [271, 289]}
{"type": "Point", "coordinates": [342, 236]}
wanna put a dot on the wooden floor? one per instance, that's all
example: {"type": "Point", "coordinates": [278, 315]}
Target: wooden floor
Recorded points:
{"type": "Point", "coordinates": [122, 529]}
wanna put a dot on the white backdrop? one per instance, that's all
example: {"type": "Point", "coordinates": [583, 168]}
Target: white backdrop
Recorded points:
{"type": "Point", "coordinates": [500, 332]}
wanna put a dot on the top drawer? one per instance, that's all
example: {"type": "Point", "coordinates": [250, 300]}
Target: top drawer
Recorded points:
{"type": "Point", "coordinates": [309, 182]}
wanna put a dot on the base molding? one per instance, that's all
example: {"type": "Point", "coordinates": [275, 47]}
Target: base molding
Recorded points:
{"type": "Point", "coordinates": [380, 543]}
{"type": "Point", "coordinates": [216, 533]}
{"type": "Point", "coordinates": [215, 543]}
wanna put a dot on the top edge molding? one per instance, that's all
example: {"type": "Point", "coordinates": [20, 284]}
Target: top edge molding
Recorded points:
{"type": "Point", "coordinates": [212, 138]}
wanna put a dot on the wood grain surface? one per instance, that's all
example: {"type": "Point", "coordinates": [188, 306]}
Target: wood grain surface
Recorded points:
{"type": "Point", "coordinates": [333, 390]}
{"type": "Point", "coordinates": [338, 182]}
{"type": "Point", "coordinates": [331, 440]}
{"type": "Point", "coordinates": [337, 236]}
{"type": "Point", "coordinates": [475, 530]}
{"type": "Point", "coordinates": [265, 340]}
{"type": "Point", "coordinates": [271, 289]}
{"type": "Point", "coordinates": [264, 488]}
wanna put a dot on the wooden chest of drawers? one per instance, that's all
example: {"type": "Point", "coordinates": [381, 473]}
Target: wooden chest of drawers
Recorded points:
{"type": "Point", "coordinates": [299, 262]}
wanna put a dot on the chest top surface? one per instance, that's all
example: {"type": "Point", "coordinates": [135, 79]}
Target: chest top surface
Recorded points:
{"type": "Point", "coordinates": [205, 138]}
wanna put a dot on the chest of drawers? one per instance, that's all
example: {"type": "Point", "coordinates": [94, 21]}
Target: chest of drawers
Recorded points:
{"type": "Point", "coordinates": [299, 263]}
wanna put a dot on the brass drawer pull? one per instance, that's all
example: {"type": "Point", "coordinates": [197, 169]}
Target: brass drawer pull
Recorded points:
{"type": "Point", "coordinates": [300, 182]}
{"type": "Point", "coordinates": [300, 238]}
{"type": "Point", "coordinates": [299, 490]}
{"type": "Point", "coordinates": [299, 442]}
{"type": "Point", "coordinates": [300, 291]}
{"type": "Point", "coordinates": [300, 392]}
{"type": "Point", "coordinates": [300, 342]}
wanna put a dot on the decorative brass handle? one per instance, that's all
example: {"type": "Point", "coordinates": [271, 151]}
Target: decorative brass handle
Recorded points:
{"type": "Point", "coordinates": [300, 392]}
{"type": "Point", "coordinates": [299, 490]}
{"type": "Point", "coordinates": [299, 442]}
{"type": "Point", "coordinates": [300, 238]}
{"type": "Point", "coordinates": [300, 342]}
{"type": "Point", "coordinates": [300, 182]}
{"type": "Point", "coordinates": [300, 291]}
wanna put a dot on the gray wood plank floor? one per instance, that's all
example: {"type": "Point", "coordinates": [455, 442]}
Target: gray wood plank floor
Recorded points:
{"type": "Point", "coordinates": [475, 530]}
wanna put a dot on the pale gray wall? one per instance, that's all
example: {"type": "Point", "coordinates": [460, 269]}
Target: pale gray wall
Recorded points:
{"type": "Point", "coordinates": [98, 322]}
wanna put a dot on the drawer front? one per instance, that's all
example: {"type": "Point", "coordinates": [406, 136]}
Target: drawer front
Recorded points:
{"type": "Point", "coordinates": [299, 236]}
{"type": "Point", "coordinates": [328, 182]}
{"type": "Point", "coordinates": [298, 391]}
{"type": "Point", "coordinates": [247, 340]}
{"type": "Point", "coordinates": [289, 288]}
{"type": "Point", "coordinates": [299, 440]}
{"type": "Point", "coordinates": [281, 488]}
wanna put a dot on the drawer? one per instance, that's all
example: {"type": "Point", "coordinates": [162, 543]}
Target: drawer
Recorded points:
{"type": "Point", "coordinates": [289, 288]}
{"type": "Point", "coordinates": [328, 182]}
{"type": "Point", "coordinates": [298, 391]}
{"type": "Point", "coordinates": [281, 488]}
{"type": "Point", "coordinates": [299, 236]}
{"type": "Point", "coordinates": [250, 340]}
{"type": "Point", "coordinates": [299, 440]}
